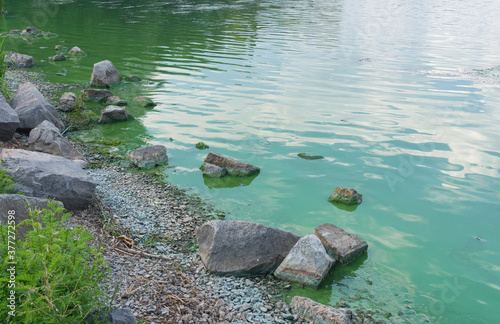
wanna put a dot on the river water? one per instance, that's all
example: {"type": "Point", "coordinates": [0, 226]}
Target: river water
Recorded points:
{"type": "Point", "coordinates": [400, 97]}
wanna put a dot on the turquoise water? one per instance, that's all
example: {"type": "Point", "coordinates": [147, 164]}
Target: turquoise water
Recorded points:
{"type": "Point", "coordinates": [401, 98]}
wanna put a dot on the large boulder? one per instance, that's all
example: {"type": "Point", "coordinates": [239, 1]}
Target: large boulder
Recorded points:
{"type": "Point", "coordinates": [19, 205]}
{"type": "Point", "coordinates": [233, 167]}
{"type": "Point", "coordinates": [32, 108]}
{"type": "Point", "coordinates": [89, 95]}
{"type": "Point", "coordinates": [149, 156]}
{"type": "Point", "coordinates": [9, 120]}
{"type": "Point", "coordinates": [105, 74]}
{"type": "Point", "coordinates": [48, 176]}
{"type": "Point", "coordinates": [242, 248]}
{"type": "Point", "coordinates": [21, 60]}
{"type": "Point", "coordinates": [313, 312]}
{"type": "Point", "coordinates": [48, 139]}
{"type": "Point", "coordinates": [342, 246]}
{"type": "Point", "coordinates": [112, 114]}
{"type": "Point", "coordinates": [67, 101]}
{"type": "Point", "coordinates": [307, 263]}
{"type": "Point", "coordinates": [347, 196]}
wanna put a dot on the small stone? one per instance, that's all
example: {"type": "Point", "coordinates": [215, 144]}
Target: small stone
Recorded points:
{"type": "Point", "coordinates": [58, 57]}
{"type": "Point", "coordinates": [132, 78]}
{"type": "Point", "coordinates": [77, 51]}
{"type": "Point", "coordinates": [113, 114]}
{"type": "Point", "coordinates": [117, 101]}
{"type": "Point", "coordinates": [89, 95]}
{"type": "Point", "coordinates": [306, 156]}
{"type": "Point", "coordinates": [15, 31]}
{"type": "Point", "coordinates": [346, 196]}
{"type": "Point", "coordinates": [60, 48]}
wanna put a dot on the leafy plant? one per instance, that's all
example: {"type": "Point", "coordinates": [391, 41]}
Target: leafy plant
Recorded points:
{"type": "Point", "coordinates": [6, 184]}
{"type": "Point", "coordinates": [58, 276]}
{"type": "Point", "coordinates": [3, 70]}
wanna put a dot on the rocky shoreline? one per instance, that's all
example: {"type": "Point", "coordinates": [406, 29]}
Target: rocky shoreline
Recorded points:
{"type": "Point", "coordinates": [147, 228]}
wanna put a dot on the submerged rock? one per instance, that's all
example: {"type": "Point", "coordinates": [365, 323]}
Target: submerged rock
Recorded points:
{"type": "Point", "coordinates": [9, 120]}
{"type": "Point", "coordinates": [76, 51]}
{"type": "Point", "coordinates": [202, 146]}
{"type": "Point", "coordinates": [306, 156]}
{"type": "Point", "coordinates": [30, 30]}
{"type": "Point", "coordinates": [47, 176]}
{"type": "Point", "coordinates": [313, 312]}
{"type": "Point", "coordinates": [117, 101]}
{"type": "Point", "coordinates": [242, 248]}
{"type": "Point", "coordinates": [58, 57]}
{"type": "Point", "coordinates": [132, 78]}
{"type": "Point", "coordinates": [342, 246]}
{"type": "Point", "coordinates": [149, 156]}
{"type": "Point", "coordinates": [89, 95]}
{"type": "Point", "coordinates": [47, 138]}
{"type": "Point", "coordinates": [144, 101]}
{"type": "Point", "coordinates": [307, 263]}
{"type": "Point", "coordinates": [67, 101]}
{"type": "Point", "coordinates": [18, 204]}
{"type": "Point", "coordinates": [346, 196]}
{"type": "Point", "coordinates": [32, 108]}
{"type": "Point", "coordinates": [60, 48]}
{"type": "Point", "coordinates": [112, 114]}
{"type": "Point", "coordinates": [233, 167]}
{"type": "Point", "coordinates": [105, 74]}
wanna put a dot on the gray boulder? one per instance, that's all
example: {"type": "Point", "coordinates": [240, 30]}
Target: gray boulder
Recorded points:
{"type": "Point", "coordinates": [118, 316]}
{"type": "Point", "coordinates": [105, 74]}
{"type": "Point", "coordinates": [307, 263]}
{"type": "Point", "coordinates": [242, 248]}
{"type": "Point", "coordinates": [21, 60]}
{"type": "Point", "coordinates": [67, 101]}
{"type": "Point", "coordinates": [90, 95]}
{"type": "Point", "coordinates": [149, 156]}
{"type": "Point", "coordinates": [17, 203]}
{"type": "Point", "coordinates": [313, 312]}
{"type": "Point", "coordinates": [346, 196]}
{"type": "Point", "coordinates": [48, 176]}
{"type": "Point", "coordinates": [77, 51]}
{"type": "Point", "coordinates": [213, 171]}
{"type": "Point", "coordinates": [232, 166]}
{"type": "Point", "coordinates": [32, 108]}
{"type": "Point", "coordinates": [47, 138]}
{"type": "Point", "coordinates": [342, 246]}
{"type": "Point", "coordinates": [9, 120]}
{"type": "Point", "coordinates": [112, 114]}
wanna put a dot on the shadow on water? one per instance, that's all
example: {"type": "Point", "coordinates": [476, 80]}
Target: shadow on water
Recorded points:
{"type": "Point", "coordinates": [228, 182]}
{"type": "Point", "coordinates": [349, 208]}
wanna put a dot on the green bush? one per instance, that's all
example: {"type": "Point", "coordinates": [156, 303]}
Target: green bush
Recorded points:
{"type": "Point", "coordinates": [58, 276]}
{"type": "Point", "coordinates": [6, 183]}
{"type": "Point", "coordinates": [3, 71]}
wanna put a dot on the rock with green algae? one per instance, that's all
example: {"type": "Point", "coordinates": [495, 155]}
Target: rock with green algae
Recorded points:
{"type": "Point", "coordinates": [346, 196]}
{"type": "Point", "coordinates": [202, 146]}
{"type": "Point", "coordinates": [144, 101]}
{"type": "Point", "coordinates": [233, 167]}
{"type": "Point", "coordinates": [310, 157]}
{"type": "Point", "coordinates": [132, 78]}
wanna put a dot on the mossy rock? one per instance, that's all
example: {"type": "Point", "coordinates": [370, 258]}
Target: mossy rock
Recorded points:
{"type": "Point", "coordinates": [144, 101]}
{"type": "Point", "coordinates": [202, 146]}
{"type": "Point", "coordinates": [310, 157]}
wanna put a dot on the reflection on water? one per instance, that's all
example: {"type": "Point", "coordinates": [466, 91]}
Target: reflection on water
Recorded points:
{"type": "Point", "coordinates": [401, 98]}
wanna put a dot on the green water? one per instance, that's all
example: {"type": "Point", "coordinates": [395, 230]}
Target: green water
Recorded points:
{"type": "Point", "coordinates": [401, 98]}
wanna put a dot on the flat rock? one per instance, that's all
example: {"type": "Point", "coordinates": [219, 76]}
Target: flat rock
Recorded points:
{"type": "Point", "coordinates": [47, 176]}
{"type": "Point", "coordinates": [58, 57]}
{"type": "Point", "coordinates": [67, 101]}
{"type": "Point", "coordinates": [47, 138]}
{"type": "Point", "coordinates": [105, 74]}
{"type": "Point", "coordinates": [149, 156]}
{"type": "Point", "coordinates": [89, 95]}
{"type": "Point", "coordinates": [242, 248]}
{"type": "Point", "coordinates": [342, 246]}
{"type": "Point", "coordinates": [17, 203]}
{"type": "Point", "coordinates": [307, 263]}
{"type": "Point", "coordinates": [112, 114]}
{"type": "Point", "coordinates": [144, 101]}
{"type": "Point", "coordinates": [313, 312]}
{"type": "Point", "coordinates": [32, 108]}
{"type": "Point", "coordinates": [21, 60]}
{"type": "Point", "coordinates": [118, 316]}
{"type": "Point", "coordinates": [9, 120]}
{"type": "Point", "coordinates": [232, 166]}
{"type": "Point", "coordinates": [346, 196]}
